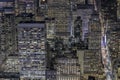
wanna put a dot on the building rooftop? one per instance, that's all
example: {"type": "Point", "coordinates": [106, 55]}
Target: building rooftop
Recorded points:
{"type": "Point", "coordinates": [31, 24]}
{"type": "Point", "coordinates": [85, 6]}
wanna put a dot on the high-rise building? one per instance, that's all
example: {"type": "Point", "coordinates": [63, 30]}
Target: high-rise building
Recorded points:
{"type": "Point", "coordinates": [92, 57]}
{"type": "Point", "coordinates": [114, 47]}
{"type": "Point", "coordinates": [94, 32]}
{"type": "Point", "coordinates": [58, 10]}
{"type": "Point", "coordinates": [67, 68]}
{"type": "Point", "coordinates": [7, 29]}
{"type": "Point", "coordinates": [59, 39]}
{"type": "Point", "coordinates": [61, 11]}
{"type": "Point", "coordinates": [31, 48]}
{"type": "Point", "coordinates": [84, 11]}
{"type": "Point", "coordinates": [9, 60]}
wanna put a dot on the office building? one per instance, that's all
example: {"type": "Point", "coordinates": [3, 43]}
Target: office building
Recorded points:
{"type": "Point", "coordinates": [92, 57]}
{"type": "Point", "coordinates": [84, 11]}
{"type": "Point", "coordinates": [67, 69]}
{"type": "Point", "coordinates": [9, 64]}
{"type": "Point", "coordinates": [114, 47]}
{"type": "Point", "coordinates": [7, 29]}
{"type": "Point", "coordinates": [60, 13]}
{"type": "Point", "coordinates": [59, 40]}
{"type": "Point", "coordinates": [31, 48]}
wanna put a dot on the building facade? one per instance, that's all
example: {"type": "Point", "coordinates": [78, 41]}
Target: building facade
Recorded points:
{"type": "Point", "coordinates": [31, 48]}
{"type": "Point", "coordinates": [92, 57]}
{"type": "Point", "coordinates": [67, 69]}
{"type": "Point", "coordinates": [7, 29]}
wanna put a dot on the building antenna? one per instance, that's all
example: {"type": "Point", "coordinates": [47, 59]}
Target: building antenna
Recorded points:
{"type": "Point", "coordinates": [71, 19]}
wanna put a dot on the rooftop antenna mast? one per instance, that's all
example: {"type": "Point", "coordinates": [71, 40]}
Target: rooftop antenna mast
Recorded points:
{"type": "Point", "coordinates": [71, 19]}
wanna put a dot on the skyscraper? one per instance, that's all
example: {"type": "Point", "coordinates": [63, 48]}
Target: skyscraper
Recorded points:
{"type": "Point", "coordinates": [31, 48]}
{"type": "Point", "coordinates": [58, 10]}
{"type": "Point", "coordinates": [114, 47]}
{"type": "Point", "coordinates": [92, 56]}
{"type": "Point", "coordinates": [59, 39]}
{"type": "Point", "coordinates": [7, 31]}
{"type": "Point", "coordinates": [67, 68]}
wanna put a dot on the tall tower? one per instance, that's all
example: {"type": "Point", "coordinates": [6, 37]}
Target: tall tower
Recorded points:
{"type": "Point", "coordinates": [92, 56]}
{"type": "Point", "coordinates": [8, 46]}
{"type": "Point", "coordinates": [114, 48]}
{"type": "Point", "coordinates": [7, 37]}
{"type": "Point", "coordinates": [58, 10]}
{"type": "Point", "coordinates": [67, 68]}
{"type": "Point", "coordinates": [94, 32]}
{"type": "Point", "coordinates": [84, 11]}
{"type": "Point", "coordinates": [31, 48]}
